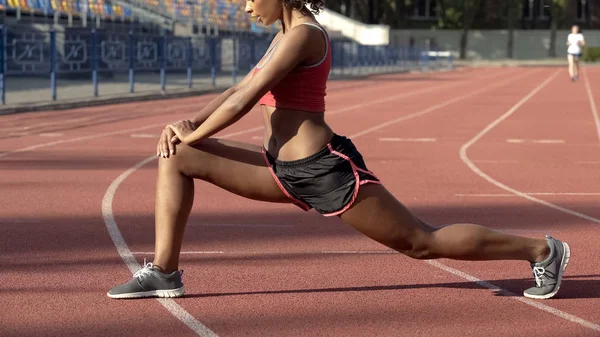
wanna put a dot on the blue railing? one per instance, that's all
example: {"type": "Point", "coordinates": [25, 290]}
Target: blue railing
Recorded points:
{"type": "Point", "coordinates": [98, 55]}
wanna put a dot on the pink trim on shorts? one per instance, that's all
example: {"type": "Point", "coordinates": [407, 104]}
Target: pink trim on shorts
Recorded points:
{"type": "Point", "coordinates": [297, 202]}
{"type": "Point", "coordinates": [355, 169]}
{"type": "Point", "coordinates": [368, 181]}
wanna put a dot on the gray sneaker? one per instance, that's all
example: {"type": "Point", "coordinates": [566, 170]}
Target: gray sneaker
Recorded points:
{"type": "Point", "coordinates": [150, 282]}
{"type": "Point", "coordinates": [549, 272]}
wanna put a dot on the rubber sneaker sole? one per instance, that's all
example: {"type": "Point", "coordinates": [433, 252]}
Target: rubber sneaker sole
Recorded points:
{"type": "Point", "coordinates": [563, 265]}
{"type": "Point", "coordinates": [172, 293]}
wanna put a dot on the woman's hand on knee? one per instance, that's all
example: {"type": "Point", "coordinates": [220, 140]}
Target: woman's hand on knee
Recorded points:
{"type": "Point", "coordinates": [166, 145]}
{"type": "Point", "coordinates": [162, 148]}
{"type": "Point", "coordinates": [181, 130]}
{"type": "Point", "coordinates": [171, 135]}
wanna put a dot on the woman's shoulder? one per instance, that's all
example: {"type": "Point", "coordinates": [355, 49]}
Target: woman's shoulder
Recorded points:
{"type": "Point", "coordinates": [304, 34]}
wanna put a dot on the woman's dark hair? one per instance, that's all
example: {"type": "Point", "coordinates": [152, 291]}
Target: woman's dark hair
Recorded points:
{"type": "Point", "coordinates": [315, 5]}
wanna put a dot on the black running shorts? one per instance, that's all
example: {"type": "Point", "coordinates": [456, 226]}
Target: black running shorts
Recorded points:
{"type": "Point", "coordinates": [327, 181]}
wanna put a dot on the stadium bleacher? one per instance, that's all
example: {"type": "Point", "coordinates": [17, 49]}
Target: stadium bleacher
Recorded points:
{"type": "Point", "coordinates": [226, 15]}
{"type": "Point", "coordinates": [74, 7]}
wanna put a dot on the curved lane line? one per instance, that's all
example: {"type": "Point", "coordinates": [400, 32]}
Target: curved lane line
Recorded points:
{"type": "Point", "coordinates": [465, 158]}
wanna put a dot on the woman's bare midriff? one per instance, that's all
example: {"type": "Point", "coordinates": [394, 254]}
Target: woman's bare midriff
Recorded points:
{"type": "Point", "coordinates": [292, 135]}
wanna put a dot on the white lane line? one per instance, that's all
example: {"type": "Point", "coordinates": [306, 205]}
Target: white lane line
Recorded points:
{"type": "Point", "coordinates": [128, 257]}
{"type": "Point", "coordinates": [535, 304]}
{"type": "Point", "coordinates": [144, 135]}
{"type": "Point", "coordinates": [433, 108]}
{"type": "Point", "coordinates": [185, 253]}
{"type": "Point", "coordinates": [317, 252]}
{"type": "Point", "coordinates": [266, 252]}
{"type": "Point", "coordinates": [536, 141]}
{"type": "Point", "coordinates": [52, 134]}
{"type": "Point", "coordinates": [465, 158]}
{"type": "Point", "coordinates": [491, 161]}
{"type": "Point", "coordinates": [241, 225]}
{"type": "Point", "coordinates": [525, 230]}
{"type": "Point", "coordinates": [78, 139]}
{"type": "Point", "coordinates": [29, 127]}
{"type": "Point", "coordinates": [502, 161]}
{"type": "Point", "coordinates": [592, 105]}
{"type": "Point", "coordinates": [369, 104]}
{"type": "Point", "coordinates": [409, 140]}
{"type": "Point", "coordinates": [549, 141]}
{"type": "Point", "coordinates": [583, 194]}
{"type": "Point", "coordinates": [97, 119]}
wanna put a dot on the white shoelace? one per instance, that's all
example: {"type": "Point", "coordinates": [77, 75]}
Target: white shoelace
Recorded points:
{"type": "Point", "coordinates": [144, 271]}
{"type": "Point", "coordinates": [538, 272]}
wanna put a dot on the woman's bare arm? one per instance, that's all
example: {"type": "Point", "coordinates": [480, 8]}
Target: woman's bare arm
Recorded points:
{"type": "Point", "coordinates": [208, 109]}
{"type": "Point", "coordinates": [290, 52]}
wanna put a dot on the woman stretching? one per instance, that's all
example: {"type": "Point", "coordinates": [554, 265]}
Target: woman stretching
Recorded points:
{"type": "Point", "coordinates": [304, 162]}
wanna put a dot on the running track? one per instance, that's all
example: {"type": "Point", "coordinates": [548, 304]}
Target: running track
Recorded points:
{"type": "Point", "coordinates": [516, 149]}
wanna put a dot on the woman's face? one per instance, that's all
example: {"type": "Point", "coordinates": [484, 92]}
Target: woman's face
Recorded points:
{"type": "Point", "coordinates": [266, 12]}
{"type": "Point", "coordinates": [575, 29]}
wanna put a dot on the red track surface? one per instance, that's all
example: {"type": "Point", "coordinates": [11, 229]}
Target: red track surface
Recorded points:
{"type": "Point", "coordinates": [254, 269]}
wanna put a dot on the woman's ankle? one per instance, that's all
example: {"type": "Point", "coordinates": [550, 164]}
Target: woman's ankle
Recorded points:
{"type": "Point", "coordinates": [542, 252]}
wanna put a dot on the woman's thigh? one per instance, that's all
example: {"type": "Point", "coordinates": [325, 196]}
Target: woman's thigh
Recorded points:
{"type": "Point", "coordinates": [379, 215]}
{"type": "Point", "coordinates": [237, 167]}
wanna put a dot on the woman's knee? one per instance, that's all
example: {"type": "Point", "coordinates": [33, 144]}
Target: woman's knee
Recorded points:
{"type": "Point", "coordinates": [418, 244]}
{"type": "Point", "coordinates": [186, 160]}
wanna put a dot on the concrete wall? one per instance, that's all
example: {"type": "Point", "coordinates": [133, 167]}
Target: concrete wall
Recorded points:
{"type": "Point", "coordinates": [364, 34]}
{"type": "Point", "coordinates": [491, 44]}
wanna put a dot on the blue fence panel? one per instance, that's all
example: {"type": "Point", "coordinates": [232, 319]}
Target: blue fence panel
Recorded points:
{"type": "Point", "coordinates": [177, 53]}
{"type": "Point", "coordinates": [76, 54]}
{"type": "Point", "coordinates": [3, 63]}
{"type": "Point", "coordinates": [25, 51]}
{"type": "Point", "coordinates": [202, 55]}
{"type": "Point", "coordinates": [149, 53]}
{"type": "Point", "coordinates": [113, 51]}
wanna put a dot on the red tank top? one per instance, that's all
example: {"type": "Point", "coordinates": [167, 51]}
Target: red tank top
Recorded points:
{"type": "Point", "coordinates": [304, 88]}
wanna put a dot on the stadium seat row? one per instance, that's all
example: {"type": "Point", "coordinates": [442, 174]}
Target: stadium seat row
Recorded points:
{"type": "Point", "coordinates": [74, 7]}
{"type": "Point", "coordinates": [226, 14]}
